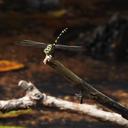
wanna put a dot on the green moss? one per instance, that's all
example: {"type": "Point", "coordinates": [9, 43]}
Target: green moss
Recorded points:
{"type": "Point", "coordinates": [15, 113]}
{"type": "Point", "coordinates": [11, 126]}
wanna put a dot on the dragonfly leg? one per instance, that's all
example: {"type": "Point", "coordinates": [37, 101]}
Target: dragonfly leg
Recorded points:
{"type": "Point", "coordinates": [80, 96]}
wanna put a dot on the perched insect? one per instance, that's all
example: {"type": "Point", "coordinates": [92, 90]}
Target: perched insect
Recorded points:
{"type": "Point", "coordinates": [50, 46]}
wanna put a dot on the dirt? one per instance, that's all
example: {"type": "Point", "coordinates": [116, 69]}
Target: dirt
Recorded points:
{"type": "Point", "coordinates": [110, 78]}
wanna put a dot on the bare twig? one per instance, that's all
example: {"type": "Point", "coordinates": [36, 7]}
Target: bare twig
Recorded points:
{"type": "Point", "coordinates": [88, 90]}
{"type": "Point", "coordinates": [34, 97]}
{"type": "Point", "coordinates": [90, 110]}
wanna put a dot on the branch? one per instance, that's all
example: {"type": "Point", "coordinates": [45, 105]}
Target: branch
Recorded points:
{"type": "Point", "coordinates": [34, 97]}
{"type": "Point", "coordinates": [88, 91]}
{"type": "Point", "coordinates": [90, 110]}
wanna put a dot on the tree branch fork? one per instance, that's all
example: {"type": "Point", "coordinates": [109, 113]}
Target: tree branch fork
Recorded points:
{"type": "Point", "coordinates": [34, 97]}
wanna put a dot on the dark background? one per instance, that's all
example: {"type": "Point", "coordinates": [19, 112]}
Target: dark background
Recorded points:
{"type": "Point", "coordinates": [42, 20]}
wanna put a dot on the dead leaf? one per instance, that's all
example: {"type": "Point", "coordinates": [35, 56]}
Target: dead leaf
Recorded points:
{"type": "Point", "coordinates": [6, 65]}
{"type": "Point", "coordinates": [58, 13]}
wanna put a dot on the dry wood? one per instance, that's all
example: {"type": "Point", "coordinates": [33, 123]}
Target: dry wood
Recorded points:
{"type": "Point", "coordinates": [88, 90]}
{"type": "Point", "coordinates": [34, 97]}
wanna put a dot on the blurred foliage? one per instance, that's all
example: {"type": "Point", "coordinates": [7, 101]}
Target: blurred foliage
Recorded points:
{"type": "Point", "coordinates": [13, 114]}
{"type": "Point", "coordinates": [30, 5]}
{"type": "Point", "coordinates": [11, 127]}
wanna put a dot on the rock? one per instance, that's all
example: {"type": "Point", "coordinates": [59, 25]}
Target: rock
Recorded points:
{"type": "Point", "coordinates": [108, 41]}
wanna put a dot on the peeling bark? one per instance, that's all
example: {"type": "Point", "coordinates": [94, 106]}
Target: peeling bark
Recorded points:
{"type": "Point", "coordinates": [34, 97]}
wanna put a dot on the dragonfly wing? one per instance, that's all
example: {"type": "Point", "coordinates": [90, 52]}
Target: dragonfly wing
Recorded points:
{"type": "Point", "coordinates": [32, 43]}
{"type": "Point", "coordinates": [69, 48]}
{"type": "Point", "coordinates": [57, 46]}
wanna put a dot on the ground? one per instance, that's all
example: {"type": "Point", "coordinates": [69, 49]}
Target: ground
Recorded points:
{"type": "Point", "coordinates": [108, 77]}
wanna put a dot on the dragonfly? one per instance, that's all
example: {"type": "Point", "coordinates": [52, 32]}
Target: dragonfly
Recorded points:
{"type": "Point", "coordinates": [36, 44]}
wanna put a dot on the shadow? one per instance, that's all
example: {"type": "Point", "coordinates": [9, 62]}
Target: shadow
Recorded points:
{"type": "Point", "coordinates": [55, 85]}
{"type": "Point", "coordinates": [114, 5]}
{"type": "Point", "coordinates": [2, 91]}
{"type": "Point", "coordinates": [77, 124]}
{"type": "Point", "coordinates": [59, 123]}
